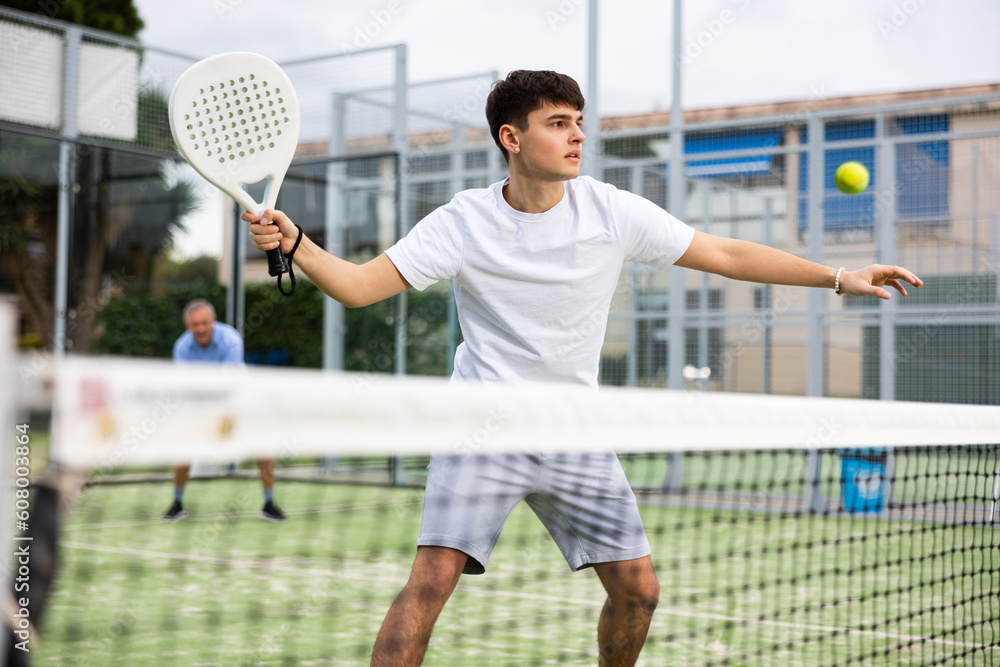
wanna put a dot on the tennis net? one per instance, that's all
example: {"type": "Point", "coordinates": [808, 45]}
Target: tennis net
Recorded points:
{"type": "Point", "coordinates": [783, 530]}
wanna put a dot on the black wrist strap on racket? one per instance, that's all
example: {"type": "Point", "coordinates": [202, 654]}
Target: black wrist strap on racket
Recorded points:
{"type": "Point", "coordinates": [291, 269]}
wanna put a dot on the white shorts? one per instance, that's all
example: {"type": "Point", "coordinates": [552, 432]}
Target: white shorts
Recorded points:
{"type": "Point", "coordinates": [584, 500]}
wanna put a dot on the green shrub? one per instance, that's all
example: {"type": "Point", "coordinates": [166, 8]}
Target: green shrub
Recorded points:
{"type": "Point", "coordinates": [284, 331]}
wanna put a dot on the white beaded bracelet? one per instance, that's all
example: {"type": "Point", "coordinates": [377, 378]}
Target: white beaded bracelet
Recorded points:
{"type": "Point", "coordinates": [836, 282]}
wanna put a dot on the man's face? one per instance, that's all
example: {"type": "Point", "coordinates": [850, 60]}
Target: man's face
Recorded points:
{"type": "Point", "coordinates": [552, 146]}
{"type": "Point", "coordinates": [199, 323]}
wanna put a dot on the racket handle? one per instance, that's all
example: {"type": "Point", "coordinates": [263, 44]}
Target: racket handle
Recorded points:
{"type": "Point", "coordinates": [276, 264]}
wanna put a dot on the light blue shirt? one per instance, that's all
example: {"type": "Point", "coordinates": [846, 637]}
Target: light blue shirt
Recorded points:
{"type": "Point", "coordinates": [226, 347]}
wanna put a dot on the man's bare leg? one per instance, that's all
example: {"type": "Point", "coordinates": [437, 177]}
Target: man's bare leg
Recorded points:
{"type": "Point", "coordinates": [406, 630]}
{"type": "Point", "coordinates": [181, 474]}
{"type": "Point", "coordinates": [266, 467]}
{"type": "Point", "coordinates": [633, 592]}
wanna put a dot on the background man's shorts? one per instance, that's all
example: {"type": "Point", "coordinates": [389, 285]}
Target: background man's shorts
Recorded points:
{"type": "Point", "coordinates": [584, 500]}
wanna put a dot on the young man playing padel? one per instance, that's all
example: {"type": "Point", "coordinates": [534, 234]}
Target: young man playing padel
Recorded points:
{"type": "Point", "coordinates": [535, 261]}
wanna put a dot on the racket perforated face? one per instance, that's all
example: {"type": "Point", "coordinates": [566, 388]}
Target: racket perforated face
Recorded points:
{"type": "Point", "coordinates": [235, 118]}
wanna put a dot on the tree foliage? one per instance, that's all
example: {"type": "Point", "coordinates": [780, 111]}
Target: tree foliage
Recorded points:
{"type": "Point", "coordinates": [125, 209]}
{"type": "Point", "coordinates": [203, 268]}
{"type": "Point", "coordinates": [124, 215]}
{"type": "Point", "coordinates": [282, 331]}
{"type": "Point", "coordinates": [116, 16]}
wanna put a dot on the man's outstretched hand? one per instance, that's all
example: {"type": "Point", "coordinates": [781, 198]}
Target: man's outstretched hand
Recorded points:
{"type": "Point", "coordinates": [870, 280]}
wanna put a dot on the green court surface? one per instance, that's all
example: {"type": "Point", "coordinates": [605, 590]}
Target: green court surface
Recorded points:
{"type": "Point", "coordinates": [737, 587]}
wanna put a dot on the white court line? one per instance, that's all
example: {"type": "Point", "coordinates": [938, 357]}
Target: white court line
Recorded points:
{"type": "Point", "coordinates": [245, 514]}
{"type": "Point", "coordinates": [539, 598]}
{"type": "Point", "coordinates": [752, 621]}
{"type": "Point", "coordinates": [163, 555]}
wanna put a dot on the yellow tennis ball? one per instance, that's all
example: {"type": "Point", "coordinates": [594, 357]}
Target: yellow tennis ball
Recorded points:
{"type": "Point", "coordinates": [851, 178]}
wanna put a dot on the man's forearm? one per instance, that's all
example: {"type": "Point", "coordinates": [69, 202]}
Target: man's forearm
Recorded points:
{"type": "Point", "coordinates": [336, 277]}
{"type": "Point", "coordinates": [743, 260]}
{"type": "Point", "coordinates": [762, 264]}
{"type": "Point", "coordinates": [753, 262]}
{"type": "Point", "coordinates": [351, 284]}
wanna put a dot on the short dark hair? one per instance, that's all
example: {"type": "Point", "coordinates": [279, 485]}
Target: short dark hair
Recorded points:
{"type": "Point", "coordinates": [524, 91]}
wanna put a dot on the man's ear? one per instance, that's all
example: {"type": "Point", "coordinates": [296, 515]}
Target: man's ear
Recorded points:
{"type": "Point", "coordinates": [510, 138]}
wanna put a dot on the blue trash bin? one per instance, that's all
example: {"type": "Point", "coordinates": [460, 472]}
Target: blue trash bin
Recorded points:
{"type": "Point", "coordinates": [862, 479]}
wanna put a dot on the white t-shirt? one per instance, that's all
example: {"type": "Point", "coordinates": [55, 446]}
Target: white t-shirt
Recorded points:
{"type": "Point", "coordinates": [533, 290]}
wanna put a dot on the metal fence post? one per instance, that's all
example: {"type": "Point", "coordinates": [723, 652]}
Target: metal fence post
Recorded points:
{"type": "Point", "coordinates": [67, 187]}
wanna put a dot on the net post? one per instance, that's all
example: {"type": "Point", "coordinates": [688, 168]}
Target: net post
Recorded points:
{"type": "Point", "coordinates": [885, 253]}
{"type": "Point", "coordinates": [336, 213]}
{"type": "Point", "coordinates": [67, 182]}
{"type": "Point", "coordinates": [673, 479]}
{"type": "Point", "coordinates": [452, 328]}
{"type": "Point", "coordinates": [815, 333]}
{"type": "Point", "coordinates": [457, 184]}
{"type": "Point", "coordinates": [996, 495]}
{"type": "Point", "coordinates": [401, 141]}
{"type": "Point", "coordinates": [591, 112]}
{"type": "Point", "coordinates": [890, 461]}
{"type": "Point", "coordinates": [766, 344]}
{"type": "Point", "coordinates": [815, 501]}
{"type": "Point", "coordinates": [675, 202]}
{"type": "Point", "coordinates": [632, 358]}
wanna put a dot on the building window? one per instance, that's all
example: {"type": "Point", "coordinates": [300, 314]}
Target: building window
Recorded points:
{"type": "Point", "coordinates": [692, 335]}
{"type": "Point", "coordinates": [755, 146]}
{"type": "Point", "coordinates": [922, 172]}
{"type": "Point", "coordinates": [842, 214]}
{"type": "Point", "coordinates": [921, 176]}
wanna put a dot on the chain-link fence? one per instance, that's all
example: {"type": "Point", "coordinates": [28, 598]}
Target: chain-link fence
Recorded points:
{"type": "Point", "coordinates": [932, 206]}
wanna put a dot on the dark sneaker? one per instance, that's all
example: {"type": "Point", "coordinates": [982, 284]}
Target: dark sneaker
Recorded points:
{"type": "Point", "coordinates": [272, 513]}
{"type": "Point", "coordinates": [175, 513]}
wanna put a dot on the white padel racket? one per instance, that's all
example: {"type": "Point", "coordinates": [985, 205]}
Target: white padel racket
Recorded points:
{"type": "Point", "coordinates": [235, 118]}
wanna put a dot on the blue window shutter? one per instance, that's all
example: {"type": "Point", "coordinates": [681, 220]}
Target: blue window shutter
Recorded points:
{"type": "Point", "coordinates": [841, 213]}
{"type": "Point", "coordinates": [922, 171]}
{"type": "Point", "coordinates": [756, 160]}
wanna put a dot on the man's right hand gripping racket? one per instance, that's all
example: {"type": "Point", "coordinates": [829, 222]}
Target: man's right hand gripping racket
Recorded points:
{"type": "Point", "coordinates": [235, 118]}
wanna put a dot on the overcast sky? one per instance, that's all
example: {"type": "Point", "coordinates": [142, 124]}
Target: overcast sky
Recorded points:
{"type": "Point", "coordinates": [736, 51]}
